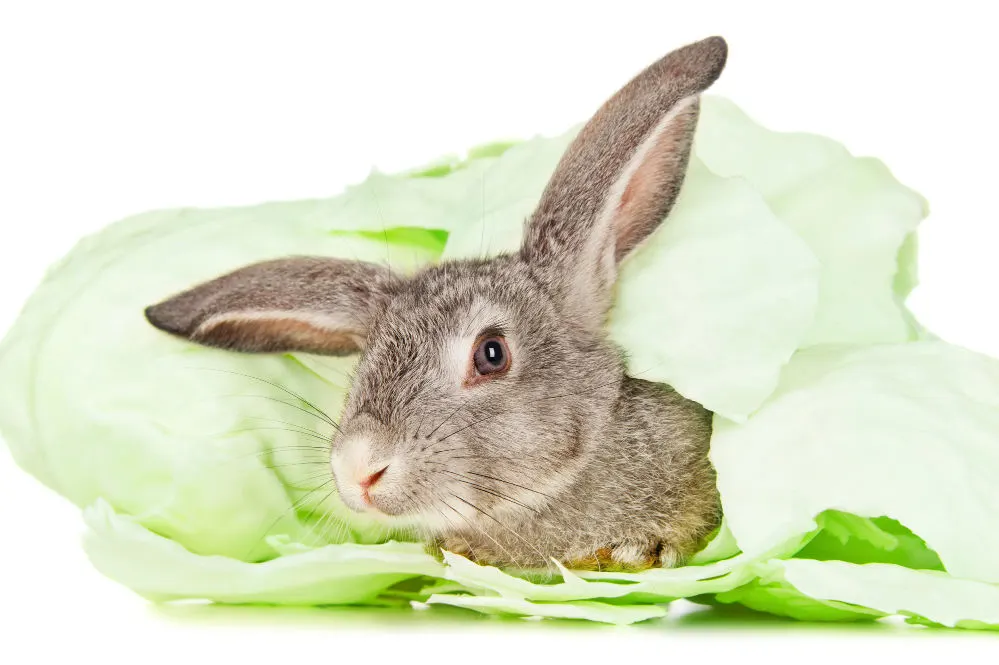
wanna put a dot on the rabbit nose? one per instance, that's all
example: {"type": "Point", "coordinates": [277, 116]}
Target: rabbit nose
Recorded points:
{"type": "Point", "coordinates": [373, 478]}
{"type": "Point", "coordinates": [368, 482]}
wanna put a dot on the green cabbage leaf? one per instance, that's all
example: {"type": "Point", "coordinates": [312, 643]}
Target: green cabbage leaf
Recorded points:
{"type": "Point", "coordinates": [856, 455]}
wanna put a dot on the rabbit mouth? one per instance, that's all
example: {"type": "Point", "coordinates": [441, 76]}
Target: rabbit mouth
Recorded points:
{"type": "Point", "coordinates": [391, 490]}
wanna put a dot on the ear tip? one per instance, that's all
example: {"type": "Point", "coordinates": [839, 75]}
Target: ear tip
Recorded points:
{"type": "Point", "coordinates": [718, 47]}
{"type": "Point", "coordinates": [713, 51]}
{"type": "Point", "coordinates": [154, 315]}
{"type": "Point", "coordinates": [716, 42]}
{"type": "Point", "coordinates": [159, 317]}
{"type": "Point", "coordinates": [702, 62]}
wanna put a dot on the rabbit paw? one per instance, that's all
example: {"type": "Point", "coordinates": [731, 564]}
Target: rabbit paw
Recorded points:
{"type": "Point", "coordinates": [631, 556]}
{"type": "Point", "coordinates": [641, 556]}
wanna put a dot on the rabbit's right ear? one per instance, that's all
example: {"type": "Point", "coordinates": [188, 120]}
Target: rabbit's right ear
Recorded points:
{"type": "Point", "coordinates": [310, 304]}
{"type": "Point", "coordinates": [618, 179]}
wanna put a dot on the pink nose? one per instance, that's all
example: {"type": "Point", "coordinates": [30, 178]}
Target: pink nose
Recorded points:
{"type": "Point", "coordinates": [367, 483]}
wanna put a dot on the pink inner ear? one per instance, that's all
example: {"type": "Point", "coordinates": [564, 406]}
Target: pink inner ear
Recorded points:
{"type": "Point", "coordinates": [654, 183]}
{"type": "Point", "coordinates": [275, 335]}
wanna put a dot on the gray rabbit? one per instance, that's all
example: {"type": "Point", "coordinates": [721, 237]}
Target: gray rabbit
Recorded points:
{"type": "Point", "coordinates": [490, 411]}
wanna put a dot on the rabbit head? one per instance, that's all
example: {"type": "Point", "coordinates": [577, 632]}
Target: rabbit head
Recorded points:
{"type": "Point", "coordinates": [484, 387]}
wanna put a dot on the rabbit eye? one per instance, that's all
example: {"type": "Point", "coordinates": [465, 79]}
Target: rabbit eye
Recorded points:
{"type": "Point", "coordinates": [491, 356]}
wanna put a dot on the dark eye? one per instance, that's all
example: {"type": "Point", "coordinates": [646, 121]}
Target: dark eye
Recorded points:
{"type": "Point", "coordinates": [491, 356]}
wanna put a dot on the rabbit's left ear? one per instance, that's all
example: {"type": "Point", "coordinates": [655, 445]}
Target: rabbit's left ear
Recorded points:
{"type": "Point", "coordinates": [310, 304]}
{"type": "Point", "coordinates": [619, 178]}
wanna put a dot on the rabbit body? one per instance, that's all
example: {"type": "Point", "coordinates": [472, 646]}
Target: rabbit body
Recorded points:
{"type": "Point", "coordinates": [566, 458]}
{"type": "Point", "coordinates": [489, 413]}
{"type": "Point", "coordinates": [644, 496]}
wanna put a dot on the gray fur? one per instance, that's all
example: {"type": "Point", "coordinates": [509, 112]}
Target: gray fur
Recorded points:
{"type": "Point", "coordinates": [564, 456]}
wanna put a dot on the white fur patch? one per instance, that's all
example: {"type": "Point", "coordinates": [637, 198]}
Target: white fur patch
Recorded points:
{"type": "Point", "coordinates": [629, 555]}
{"type": "Point", "coordinates": [348, 463]}
{"type": "Point", "coordinates": [457, 357]}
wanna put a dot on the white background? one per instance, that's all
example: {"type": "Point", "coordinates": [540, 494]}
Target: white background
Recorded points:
{"type": "Point", "coordinates": [109, 109]}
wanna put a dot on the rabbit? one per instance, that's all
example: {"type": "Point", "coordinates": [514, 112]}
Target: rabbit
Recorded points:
{"type": "Point", "coordinates": [489, 410]}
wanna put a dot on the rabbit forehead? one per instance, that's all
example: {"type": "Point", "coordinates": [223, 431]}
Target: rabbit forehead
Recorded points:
{"type": "Point", "coordinates": [465, 298]}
